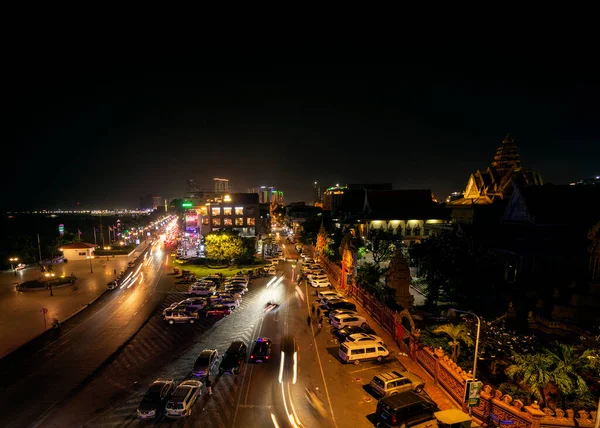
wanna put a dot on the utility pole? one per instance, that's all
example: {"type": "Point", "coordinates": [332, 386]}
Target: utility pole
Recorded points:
{"type": "Point", "coordinates": [39, 248]}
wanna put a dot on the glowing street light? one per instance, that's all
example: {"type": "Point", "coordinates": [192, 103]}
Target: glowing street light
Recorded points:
{"type": "Point", "coordinates": [50, 276]}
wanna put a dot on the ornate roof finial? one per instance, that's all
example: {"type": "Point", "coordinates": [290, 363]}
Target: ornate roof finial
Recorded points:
{"type": "Point", "coordinates": [508, 139]}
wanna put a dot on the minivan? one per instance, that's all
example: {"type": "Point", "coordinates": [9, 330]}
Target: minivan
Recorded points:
{"type": "Point", "coordinates": [405, 409]}
{"type": "Point", "coordinates": [341, 321]}
{"type": "Point", "coordinates": [355, 352]}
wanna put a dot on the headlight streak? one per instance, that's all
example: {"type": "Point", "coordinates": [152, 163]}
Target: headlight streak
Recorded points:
{"type": "Point", "coordinates": [274, 419]}
{"type": "Point", "coordinates": [287, 412]}
{"type": "Point", "coordinates": [292, 406]}
{"type": "Point", "coordinates": [295, 367]}
{"type": "Point", "coordinates": [138, 270]}
{"type": "Point", "coordinates": [271, 281]}
{"type": "Point", "coordinates": [281, 366]}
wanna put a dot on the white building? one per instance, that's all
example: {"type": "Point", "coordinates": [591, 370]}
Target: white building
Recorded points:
{"type": "Point", "coordinates": [78, 250]}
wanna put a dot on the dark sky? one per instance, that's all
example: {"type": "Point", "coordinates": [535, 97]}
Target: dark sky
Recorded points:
{"type": "Point", "coordinates": [103, 135]}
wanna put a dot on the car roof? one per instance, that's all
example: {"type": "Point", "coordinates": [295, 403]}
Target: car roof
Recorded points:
{"type": "Point", "coordinates": [404, 398]}
{"type": "Point", "coordinates": [207, 352]}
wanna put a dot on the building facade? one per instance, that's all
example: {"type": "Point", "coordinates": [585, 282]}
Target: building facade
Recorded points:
{"type": "Point", "coordinates": [268, 195]}
{"type": "Point", "coordinates": [234, 211]}
{"type": "Point", "coordinates": [222, 185]}
{"type": "Point", "coordinates": [78, 251]}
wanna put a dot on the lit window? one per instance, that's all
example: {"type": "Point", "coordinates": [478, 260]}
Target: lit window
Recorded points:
{"type": "Point", "coordinates": [205, 221]}
{"type": "Point", "coordinates": [239, 210]}
{"type": "Point", "coordinates": [239, 221]}
{"type": "Point", "coordinates": [203, 210]}
{"type": "Point", "coordinates": [227, 211]}
{"type": "Point", "coordinates": [250, 221]}
{"type": "Point", "coordinates": [227, 222]}
{"type": "Point", "coordinates": [216, 211]}
{"type": "Point", "coordinates": [216, 222]}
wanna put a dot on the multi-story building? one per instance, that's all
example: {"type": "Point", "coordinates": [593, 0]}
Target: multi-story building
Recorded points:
{"type": "Point", "coordinates": [233, 211]}
{"type": "Point", "coordinates": [317, 194]}
{"type": "Point", "coordinates": [222, 185]}
{"type": "Point", "coordinates": [268, 195]}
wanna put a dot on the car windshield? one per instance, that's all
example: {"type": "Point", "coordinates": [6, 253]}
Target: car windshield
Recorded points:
{"type": "Point", "coordinates": [201, 362]}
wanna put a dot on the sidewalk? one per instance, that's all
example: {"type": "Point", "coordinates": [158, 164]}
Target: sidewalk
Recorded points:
{"type": "Point", "coordinates": [438, 395]}
{"type": "Point", "coordinates": [21, 315]}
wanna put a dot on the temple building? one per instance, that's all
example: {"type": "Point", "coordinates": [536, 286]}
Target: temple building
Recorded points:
{"type": "Point", "coordinates": [495, 184]}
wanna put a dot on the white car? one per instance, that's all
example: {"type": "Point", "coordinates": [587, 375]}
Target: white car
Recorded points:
{"type": "Point", "coordinates": [341, 321]}
{"type": "Point", "coordinates": [316, 277]}
{"type": "Point", "coordinates": [324, 293]}
{"type": "Point", "coordinates": [360, 337]}
{"type": "Point", "coordinates": [183, 398]}
{"type": "Point", "coordinates": [320, 283]}
{"type": "Point", "coordinates": [199, 290]}
{"type": "Point", "coordinates": [272, 271]}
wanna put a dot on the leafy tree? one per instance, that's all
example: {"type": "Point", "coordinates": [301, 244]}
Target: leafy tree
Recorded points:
{"type": "Point", "coordinates": [382, 245]}
{"type": "Point", "coordinates": [322, 239]}
{"type": "Point", "coordinates": [369, 274]}
{"type": "Point", "coordinates": [533, 371]}
{"type": "Point", "coordinates": [458, 333]}
{"type": "Point", "coordinates": [247, 250]}
{"type": "Point", "coordinates": [223, 246]}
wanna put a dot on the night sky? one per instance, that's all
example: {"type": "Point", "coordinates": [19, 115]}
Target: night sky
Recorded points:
{"type": "Point", "coordinates": [104, 136]}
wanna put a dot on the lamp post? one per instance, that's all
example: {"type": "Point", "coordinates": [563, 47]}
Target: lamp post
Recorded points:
{"type": "Point", "coordinates": [476, 345]}
{"type": "Point", "coordinates": [50, 276]}
{"type": "Point", "coordinates": [13, 260]}
{"type": "Point", "coordinates": [90, 259]}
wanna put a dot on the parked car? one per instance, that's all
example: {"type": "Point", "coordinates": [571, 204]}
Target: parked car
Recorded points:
{"type": "Point", "coordinates": [341, 321]}
{"type": "Point", "coordinates": [230, 303]}
{"type": "Point", "coordinates": [343, 333]}
{"type": "Point", "coordinates": [183, 398]}
{"type": "Point", "coordinates": [340, 312]}
{"type": "Point", "coordinates": [361, 337]}
{"type": "Point", "coordinates": [234, 357]}
{"type": "Point", "coordinates": [321, 294]}
{"type": "Point", "coordinates": [153, 402]}
{"type": "Point", "coordinates": [201, 290]}
{"type": "Point", "coordinates": [218, 309]}
{"type": "Point", "coordinates": [405, 409]}
{"type": "Point", "coordinates": [205, 362]}
{"type": "Point", "coordinates": [175, 316]}
{"type": "Point", "coordinates": [395, 382]}
{"type": "Point", "coordinates": [320, 283]}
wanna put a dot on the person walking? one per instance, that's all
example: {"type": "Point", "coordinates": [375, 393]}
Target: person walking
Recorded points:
{"type": "Point", "coordinates": [320, 325]}
{"type": "Point", "coordinates": [308, 320]}
{"type": "Point", "coordinates": [319, 312]}
{"type": "Point", "coordinates": [313, 310]}
{"type": "Point", "coordinates": [208, 385]}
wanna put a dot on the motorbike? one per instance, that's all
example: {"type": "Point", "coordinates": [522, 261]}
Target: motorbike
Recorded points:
{"type": "Point", "coordinates": [317, 404]}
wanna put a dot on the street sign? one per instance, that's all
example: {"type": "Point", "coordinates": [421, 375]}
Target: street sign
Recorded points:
{"type": "Point", "coordinates": [472, 392]}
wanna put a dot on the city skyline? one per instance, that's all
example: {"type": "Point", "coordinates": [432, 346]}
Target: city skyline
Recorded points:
{"type": "Point", "coordinates": [103, 140]}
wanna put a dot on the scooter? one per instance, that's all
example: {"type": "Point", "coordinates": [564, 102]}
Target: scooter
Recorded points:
{"type": "Point", "coordinates": [315, 402]}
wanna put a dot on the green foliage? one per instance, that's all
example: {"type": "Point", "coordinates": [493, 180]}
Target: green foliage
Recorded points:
{"type": "Point", "coordinates": [533, 371]}
{"type": "Point", "coordinates": [360, 254]}
{"type": "Point", "coordinates": [585, 401]}
{"type": "Point", "coordinates": [457, 333]}
{"type": "Point", "coordinates": [516, 392]}
{"type": "Point", "coordinates": [382, 245]}
{"type": "Point", "coordinates": [226, 246]}
{"type": "Point", "coordinates": [433, 340]}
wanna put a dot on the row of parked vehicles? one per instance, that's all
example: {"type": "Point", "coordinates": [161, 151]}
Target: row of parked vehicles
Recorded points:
{"type": "Point", "coordinates": [314, 274]}
{"type": "Point", "coordinates": [211, 295]}
{"type": "Point", "coordinates": [166, 397]}
{"type": "Point", "coordinates": [399, 391]}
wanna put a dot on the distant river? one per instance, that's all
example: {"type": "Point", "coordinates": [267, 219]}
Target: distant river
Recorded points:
{"type": "Point", "coordinates": [19, 227]}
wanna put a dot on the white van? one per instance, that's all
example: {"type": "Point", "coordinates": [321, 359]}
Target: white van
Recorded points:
{"type": "Point", "coordinates": [355, 352]}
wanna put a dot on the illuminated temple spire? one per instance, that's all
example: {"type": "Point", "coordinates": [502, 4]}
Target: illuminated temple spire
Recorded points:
{"type": "Point", "coordinates": [506, 156]}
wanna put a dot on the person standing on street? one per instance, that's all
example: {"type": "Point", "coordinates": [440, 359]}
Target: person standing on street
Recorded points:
{"type": "Point", "coordinates": [308, 319]}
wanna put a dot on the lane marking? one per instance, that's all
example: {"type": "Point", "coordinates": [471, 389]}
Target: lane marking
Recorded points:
{"type": "Point", "coordinates": [362, 370]}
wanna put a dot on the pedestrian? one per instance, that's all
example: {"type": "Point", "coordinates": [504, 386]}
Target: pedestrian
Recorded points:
{"type": "Point", "coordinates": [208, 385]}
{"type": "Point", "coordinates": [319, 312]}
{"type": "Point", "coordinates": [313, 309]}
{"type": "Point", "coordinates": [320, 325]}
{"type": "Point", "coordinates": [308, 320]}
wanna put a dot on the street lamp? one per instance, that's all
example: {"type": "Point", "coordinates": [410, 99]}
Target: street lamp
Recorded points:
{"type": "Point", "coordinates": [13, 260]}
{"type": "Point", "coordinates": [476, 344]}
{"type": "Point", "coordinates": [90, 259]}
{"type": "Point", "coordinates": [50, 276]}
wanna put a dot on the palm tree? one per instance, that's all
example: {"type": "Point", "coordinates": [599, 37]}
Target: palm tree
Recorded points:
{"type": "Point", "coordinates": [533, 371]}
{"type": "Point", "coordinates": [457, 333]}
{"type": "Point", "coordinates": [569, 365]}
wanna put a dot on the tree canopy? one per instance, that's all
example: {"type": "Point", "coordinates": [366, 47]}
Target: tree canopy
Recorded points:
{"type": "Point", "coordinates": [227, 246]}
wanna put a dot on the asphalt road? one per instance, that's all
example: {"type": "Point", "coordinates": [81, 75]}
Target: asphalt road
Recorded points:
{"type": "Point", "coordinates": [255, 397]}
{"type": "Point", "coordinates": [35, 382]}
